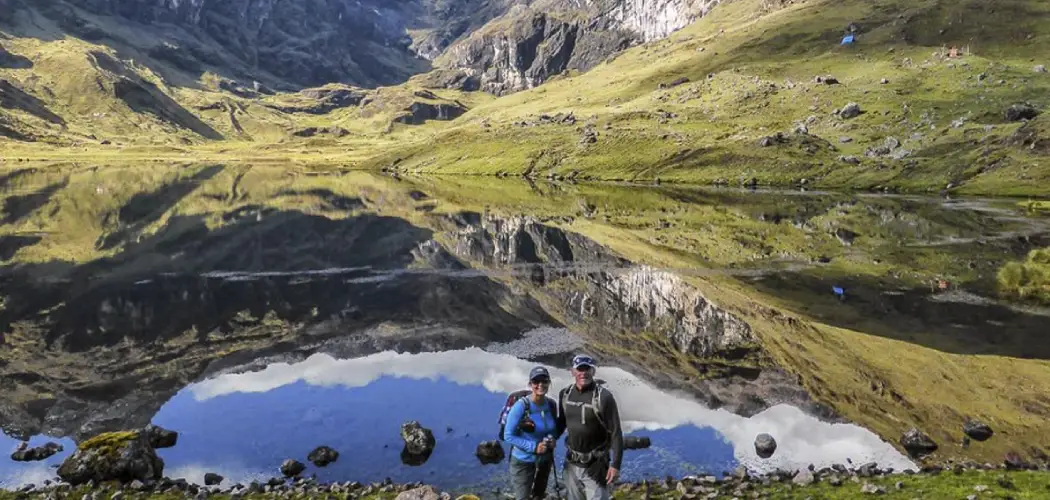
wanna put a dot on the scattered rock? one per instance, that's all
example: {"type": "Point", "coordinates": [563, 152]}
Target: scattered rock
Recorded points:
{"type": "Point", "coordinates": [1019, 112]}
{"type": "Point", "coordinates": [853, 160]}
{"type": "Point", "coordinates": [845, 140]}
{"type": "Point", "coordinates": [1039, 69]}
{"type": "Point", "coordinates": [322, 456]}
{"type": "Point", "coordinates": [418, 439]}
{"type": "Point", "coordinates": [1014, 461]}
{"type": "Point", "coordinates": [123, 455]}
{"type": "Point", "coordinates": [803, 478]}
{"type": "Point", "coordinates": [982, 77]}
{"type": "Point", "coordinates": [884, 81]}
{"type": "Point", "coordinates": [851, 110]}
{"type": "Point", "coordinates": [845, 236]}
{"type": "Point", "coordinates": [160, 437]}
{"type": "Point", "coordinates": [490, 452]}
{"type": "Point", "coordinates": [313, 131]}
{"type": "Point", "coordinates": [765, 445]}
{"type": "Point", "coordinates": [292, 468]}
{"type": "Point", "coordinates": [421, 493]}
{"type": "Point", "coordinates": [827, 80]}
{"type": "Point", "coordinates": [977, 430]}
{"type": "Point", "coordinates": [801, 129]}
{"type": "Point", "coordinates": [636, 442]}
{"type": "Point", "coordinates": [24, 454]}
{"type": "Point", "coordinates": [917, 444]}
{"type": "Point", "coordinates": [212, 479]}
{"type": "Point", "coordinates": [674, 83]}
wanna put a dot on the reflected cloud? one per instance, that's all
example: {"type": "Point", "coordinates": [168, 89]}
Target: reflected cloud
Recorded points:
{"type": "Point", "coordinates": [802, 439]}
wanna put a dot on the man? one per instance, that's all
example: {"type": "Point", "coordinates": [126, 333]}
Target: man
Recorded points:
{"type": "Point", "coordinates": [594, 440]}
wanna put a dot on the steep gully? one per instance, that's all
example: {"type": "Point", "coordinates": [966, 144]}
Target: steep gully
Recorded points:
{"type": "Point", "coordinates": [105, 347]}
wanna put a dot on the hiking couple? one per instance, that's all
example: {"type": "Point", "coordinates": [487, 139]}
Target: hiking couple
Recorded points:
{"type": "Point", "coordinates": [587, 412]}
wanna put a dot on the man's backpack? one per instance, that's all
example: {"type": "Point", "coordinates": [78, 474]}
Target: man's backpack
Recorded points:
{"type": "Point", "coordinates": [526, 423]}
{"type": "Point", "coordinates": [596, 400]}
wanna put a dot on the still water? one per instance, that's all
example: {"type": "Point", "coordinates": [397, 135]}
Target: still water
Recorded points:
{"type": "Point", "coordinates": [242, 425]}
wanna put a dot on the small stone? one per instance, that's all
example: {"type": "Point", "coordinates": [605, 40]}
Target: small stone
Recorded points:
{"type": "Point", "coordinates": [977, 430]}
{"type": "Point", "coordinates": [980, 488]}
{"type": "Point", "coordinates": [917, 444]}
{"type": "Point", "coordinates": [872, 489]}
{"type": "Point", "coordinates": [1039, 69]}
{"type": "Point", "coordinates": [884, 81]}
{"type": "Point", "coordinates": [292, 468]}
{"type": "Point", "coordinates": [117, 496]}
{"type": "Point", "coordinates": [322, 456]}
{"type": "Point", "coordinates": [851, 110]}
{"type": "Point", "coordinates": [899, 485]}
{"type": "Point", "coordinates": [845, 140]}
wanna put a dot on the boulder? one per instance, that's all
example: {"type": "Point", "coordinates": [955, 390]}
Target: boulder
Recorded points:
{"type": "Point", "coordinates": [1014, 461]}
{"type": "Point", "coordinates": [490, 452]}
{"type": "Point", "coordinates": [765, 445]}
{"type": "Point", "coordinates": [977, 430]}
{"type": "Point", "coordinates": [322, 456]}
{"type": "Point", "coordinates": [917, 444]}
{"type": "Point", "coordinates": [37, 453]}
{"type": "Point", "coordinates": [122, 456]}
{"type": "Point", "coordinates": [421, 493]}
{"type": "Point", "coordinates": [160, 437]}
{"type": "Point", "coordinates": [636, 442]}
{"type": "Point", "coordinates": [292, 468]}
{"type": "Point", "coordinates": [851, 110]}
{"type": "Point", "coordinates": [212, 479]}
{"type": "Point", "coordinates": [1019, 112]}
{"type": "Point", "coordinates": [1039, 68]}
{"type": "Point", "coordinates": [418, 439]}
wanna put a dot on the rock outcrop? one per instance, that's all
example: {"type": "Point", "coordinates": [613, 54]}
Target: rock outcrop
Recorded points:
{"type": "Point", "coordinates": [420, 112]}
{"type": "Point", "coordinates": [527, 46]}
{"type": "Point", "coordinates": [121, 456]}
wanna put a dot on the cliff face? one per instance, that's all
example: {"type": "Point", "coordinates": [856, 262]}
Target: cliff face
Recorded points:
{"type": "Point", "coordinates": [529, 45]}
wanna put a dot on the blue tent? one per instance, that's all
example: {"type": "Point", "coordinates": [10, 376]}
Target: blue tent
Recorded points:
{"type": "Point", "coordinates": [848, 39]}
{"type": "Point", "coordinates": [838, 291]}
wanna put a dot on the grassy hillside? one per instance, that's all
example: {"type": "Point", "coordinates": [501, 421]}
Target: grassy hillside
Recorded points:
{"type": "Point", "coordinates": [731, 99]}
{"type": "Point", "coordinates": [751, 73]}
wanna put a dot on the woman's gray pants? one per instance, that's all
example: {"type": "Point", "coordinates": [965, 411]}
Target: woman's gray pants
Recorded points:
{"type": "Point", "coordinates": [529, 479]}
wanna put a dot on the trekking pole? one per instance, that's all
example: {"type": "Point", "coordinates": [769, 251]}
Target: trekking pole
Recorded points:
{"type": "Point", "coordinates": [554, 470]}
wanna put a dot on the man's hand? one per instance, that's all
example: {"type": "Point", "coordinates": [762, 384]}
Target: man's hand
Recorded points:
{"type": "Point", "coordinates": [541, 447]}
{"type": "Point", "coordinates": [612, 475]}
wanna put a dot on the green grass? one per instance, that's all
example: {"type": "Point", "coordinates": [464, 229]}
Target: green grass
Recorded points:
{"type": "Point", "coordinates": [1028, 280]}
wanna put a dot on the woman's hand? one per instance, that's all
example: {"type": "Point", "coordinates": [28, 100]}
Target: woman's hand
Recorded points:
{"type": "Point", "coordinates": [541, 447]}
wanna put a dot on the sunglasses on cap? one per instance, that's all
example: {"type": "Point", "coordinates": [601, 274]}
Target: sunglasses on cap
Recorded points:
{"type": "Point", "coordinates": [582, 362]}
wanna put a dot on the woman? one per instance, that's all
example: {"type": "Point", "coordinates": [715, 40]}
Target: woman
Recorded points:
{"type": "Point", "coordinates": [531, 431]}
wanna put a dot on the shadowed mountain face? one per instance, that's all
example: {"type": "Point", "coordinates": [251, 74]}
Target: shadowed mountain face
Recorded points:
{"type": "Point", "coordinates": [370, 43]}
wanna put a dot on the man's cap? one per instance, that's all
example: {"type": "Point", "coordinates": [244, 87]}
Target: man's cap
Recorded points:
{"type": "Point", "coordinates": [539, 372]}
{"type": "Point", "coordinates": [583, 360]}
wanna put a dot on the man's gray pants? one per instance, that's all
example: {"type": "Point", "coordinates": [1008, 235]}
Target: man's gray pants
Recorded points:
{"type": "Point", "coordinates": [580, 486]}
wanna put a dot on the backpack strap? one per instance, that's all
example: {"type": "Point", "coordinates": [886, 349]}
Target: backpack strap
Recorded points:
{"type": "Point", "coordinates": [596, 401]}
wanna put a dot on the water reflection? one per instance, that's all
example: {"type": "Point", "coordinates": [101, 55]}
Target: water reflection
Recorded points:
{"type": "Point", "coordinates": [243, 425]}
